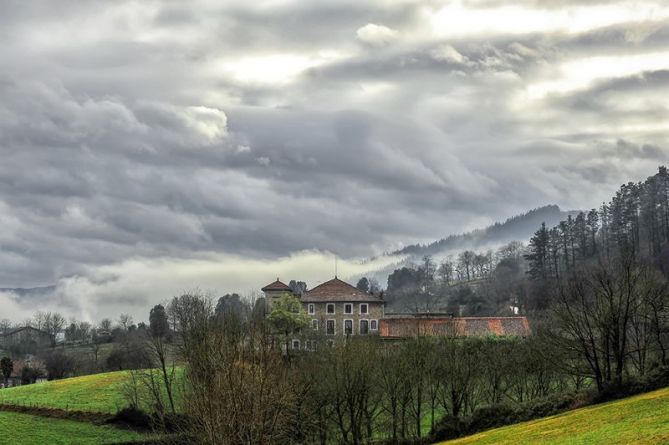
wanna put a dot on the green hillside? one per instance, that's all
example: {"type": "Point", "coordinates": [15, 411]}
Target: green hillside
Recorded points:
{"type": "Point", "coordinates": [96, 392]}
{"type": "Point", "coordinates": [643, 419]}
{"type": "Point", "coordinates": [26, 429]}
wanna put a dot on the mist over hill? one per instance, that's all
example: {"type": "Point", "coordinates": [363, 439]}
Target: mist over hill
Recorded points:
{"type": "Point", "coordinates": [516, 228]}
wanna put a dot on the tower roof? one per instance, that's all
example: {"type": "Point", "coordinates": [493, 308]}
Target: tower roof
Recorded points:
{"type": "Point", "coordinates": [277, 285]}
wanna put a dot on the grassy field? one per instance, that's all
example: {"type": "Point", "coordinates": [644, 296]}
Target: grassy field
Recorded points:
{"type": "Point", "coordinates": [643, 419]}
{"type": "Point", "coordinates": [26, 429]}
{"type": "Point", "coordinates": [97, 392]}
{"type": "Point", "coordinates": [102, 393]}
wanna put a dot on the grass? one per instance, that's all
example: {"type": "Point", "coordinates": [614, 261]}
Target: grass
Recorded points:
{"type": "Point", "coordinates": [103, 393]}
{"type": "Point", "coordinates": [97, 392]}
{"type": "Point", "coordinates": [642, 419]}
{"type": "Point", "coordinates": [26, 429]}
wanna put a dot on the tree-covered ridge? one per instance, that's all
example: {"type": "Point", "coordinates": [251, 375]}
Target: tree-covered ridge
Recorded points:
{"type": "Point", "coordinates": [516, 228]}
{"type": "Point", "coordinates": [635, 221]}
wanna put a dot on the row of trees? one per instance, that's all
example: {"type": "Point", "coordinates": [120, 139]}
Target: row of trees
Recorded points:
{"type": "Point", "coordinates": [602, 278]}
{"type": "Point", "coordinates": [450, 284]}
{"type": "Point", "coordinates": [635, 222]}
{"type": "Point", "coordinates": [243, 388]}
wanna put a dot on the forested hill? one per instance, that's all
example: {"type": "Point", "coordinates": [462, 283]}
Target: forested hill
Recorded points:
{"type": "Point", "coordinates": [517, 228]}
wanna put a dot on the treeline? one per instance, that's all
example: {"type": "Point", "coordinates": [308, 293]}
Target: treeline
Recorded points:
{"type": "Point", "coordinates": [601, 279]}
{"type": "Point", "coordinates": [244, 387]}
{"type": "Point", "coordinates": [634, 222]}
{"type": "Point", "coordinates": [472, 283]}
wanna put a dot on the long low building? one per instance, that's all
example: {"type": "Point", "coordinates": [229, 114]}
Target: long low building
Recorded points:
{"type": "Point", "coordinates": [397, 326]}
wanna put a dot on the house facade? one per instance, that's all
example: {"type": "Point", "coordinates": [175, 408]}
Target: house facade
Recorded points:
{"type": "Point", "coordinates": [336, 308]}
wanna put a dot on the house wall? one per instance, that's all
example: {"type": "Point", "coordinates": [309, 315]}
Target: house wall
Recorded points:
{"type": "Point", "coordinates": [454, 327]}
{"type": "Point", "coordinates": [375, 312]}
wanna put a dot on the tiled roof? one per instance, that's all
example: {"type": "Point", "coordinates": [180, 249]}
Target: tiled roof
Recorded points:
{"type": "Point", "coordinates": [412, 326]}
{"type": "Point", "coordinates": [338, 290]}
{"type": "Point", "coordinates": [277, 285]}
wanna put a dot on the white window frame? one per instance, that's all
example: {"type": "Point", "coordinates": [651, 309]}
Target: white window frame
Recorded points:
{"type": "Point", "coordinates": [314, 324]}
{"type": "Point", "coordinates": [376, 325]}
{"type": "Point", "coordinates": [299, 344]}
{"type": "Point", "coordinates": [352, 326]}
{"type": "Point", "coordinates": [311, 308]}
{"type": "Point", "coordinates": [360, 326]}
{"type": "Point", "coordinates": [334, 325]}
{"type": "Point", "coordinates": [327, 309]}
{"type": "Point", "coordinates": [348, 306]}
{"type": "Point", "coordinates": [366, 309]}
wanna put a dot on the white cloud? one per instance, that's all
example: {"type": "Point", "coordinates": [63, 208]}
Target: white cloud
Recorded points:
{"type": "Point", "coordinates": [580, 73]}
{"type": "Point", "coordinates": [376, 35]}
{"type": "Point", "coordinates": [457, 20]}
{"type": "Point", "coordinates": [446, 53]}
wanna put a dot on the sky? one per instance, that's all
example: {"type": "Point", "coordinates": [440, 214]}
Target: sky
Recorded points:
{"type": "Point", "coordinates": [153, 147]}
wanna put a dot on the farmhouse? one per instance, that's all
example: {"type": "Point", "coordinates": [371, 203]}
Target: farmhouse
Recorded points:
{"type": "Point", "coordinates": [26, 335]}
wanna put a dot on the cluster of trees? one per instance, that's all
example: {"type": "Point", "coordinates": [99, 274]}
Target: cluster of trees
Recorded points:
{"type": "Point", "coordinates": [602, 279]}
{"type": "Point", "coordinates": [243, 387]}
{"type": "Point", "coordinates": [634, 222]}
{"type": "Point", "coordinates": [472, 284]}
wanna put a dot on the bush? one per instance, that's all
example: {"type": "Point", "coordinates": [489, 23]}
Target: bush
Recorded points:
{"type": "Point", "coordinates": [133, 418]}
{"type": "Point", "coordinates": [30, 375]}
{"type": "Point", "coordinates": [59, 365]}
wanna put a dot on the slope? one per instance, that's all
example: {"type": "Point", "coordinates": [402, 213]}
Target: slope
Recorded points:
{"type": "Point", "coordinates": [642, 419]}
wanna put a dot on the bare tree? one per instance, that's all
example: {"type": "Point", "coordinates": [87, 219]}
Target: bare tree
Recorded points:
{"type": "Point", "coordinates": [125, 321]}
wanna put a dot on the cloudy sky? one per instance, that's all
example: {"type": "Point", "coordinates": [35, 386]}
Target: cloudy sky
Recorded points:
{"type": "Point", "coordinates": [150, 147]}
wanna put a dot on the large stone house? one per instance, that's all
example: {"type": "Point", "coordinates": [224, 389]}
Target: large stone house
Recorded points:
{"type": "Point", "coordinates": [337, 309]}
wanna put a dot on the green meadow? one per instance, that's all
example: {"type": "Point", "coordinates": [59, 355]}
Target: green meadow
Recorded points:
{"type": "Point", "coordinates": [103, 393]}
{"type": "Point", "coordinates": [642, 419]}
{"type": "Point", "coordinates": [27, 429]}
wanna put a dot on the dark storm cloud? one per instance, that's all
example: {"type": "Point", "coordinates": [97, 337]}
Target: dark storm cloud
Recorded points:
{"type": "Point", "coordinates": [156, 130]}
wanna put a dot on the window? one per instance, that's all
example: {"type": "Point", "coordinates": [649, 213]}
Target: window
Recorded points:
{"type": "Point", "coordinates": [373, 325]}
{"type": "Point", "coordinates": [296, 344]}
{"type": "Point", "coordinates": [330, 308]}
{"type": "Point", "coordinates": [348, 327]}
{"type": "Point", "coordinates": [331, 343]}
{"type": "Point", "coordinates": [363, 308]}
{"type": "Point", "coordinates": [330, 327]}
{"type": "Point", "coordinates": [348, 308]}
{"type": "Point", "coordinates": [307, 345]}
{"type": "Point", "coordinates": [314, 324]}
{"type": "Point", "coordinates": [312, 309]}
{"type": "Point", "coordinates": [364, 327]}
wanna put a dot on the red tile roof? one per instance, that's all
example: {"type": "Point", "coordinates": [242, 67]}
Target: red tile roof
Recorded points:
{"type": "Point", "coordinates": [338, 290]}
{"type": "Point", "coordinates": [277, 285]}
{"type": "Point", "coordinates": [401, 326]}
